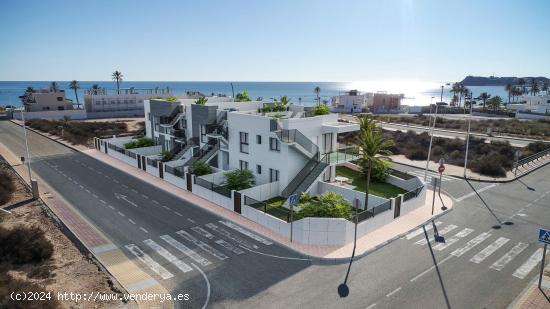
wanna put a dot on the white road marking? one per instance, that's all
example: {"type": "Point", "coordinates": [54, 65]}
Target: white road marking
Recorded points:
{"type": "Point", "coordinates": [207, 286]}
{"type": "Point", "coordinates": [111, 206]}
{"type": "Point", "coordinates": [144, 230]}
{"type": "Point", "coordinates": [444, 231]}
{"type": "Point", "coordinates": [393, 292]}
{"type": "Point", "coordinates": [81, 186]}
{"type": "Point", "coordinates": [168, 256]}
{"type": "Point", "coordinates": [121, 214]}
{"type": "Point", "coordinates": [88, 191]}
{"type": "Point", "coordinates": [229, 246]}
{"type": "Point", "coordinates": [134, 190]}
{"type": "Point", "coordinates": [246, 232]}
{"type": "Point", "coordinates": [478, 191]}
{"type": "Point", "coordinates": [107, 176]}
{"type": "Point", "coordinates": [70, 179]}
{"type": "Point", "coordinates": [199, 230]}
{"type": "Point", "coordinates": [144, 196]}
{"type": "Point", "coordinates": [100, 173]}
{"type": "Point", "coordinates": [371, 306]}
{"type": "Point", "coordinates": [177, 213]}
{"type": "Point", "coordinates": [275, 256]}
{"type": "Point", "coordinates": [147, 260]}
{"type": "Point", "coordinates": [102, 201]}
{"type": "Point", "coordinates": [116, 181]}
{"type": "Point", "coordinates": [94, 195]}
{"type": "Point", "coordinates": [421, 230]}
{"type": "Point", "coordinates": [191, 220]}
{"type": "Point", "coordinates": [509, 256]}
{"type": "Point", "coordinates": [430, 269]}
{"type": "Point", "coordinates": [166, 207]}
{"type": "Point", "coordinates": [465, 232]}
{"type": "Point", "coordinates": [227, 234]}
{"type": "Point", "coordinates": [471, 244]}
{"type": "Point", "coordinates": [485, 253]}
{"type": "Point", "coordinates": [131, 221]}
{"type": "Point", "coordinates": [155, 202]}
{"type": "Point", "coordinates": [526, 268]}
{"type": "Point", "coordinates": [125, 186]}
{"type": "Point", "coordinates": [431, 175]}
{"type": "Point", "coordinates": [185, 250]}
{"type": "Point", "coordinates": [202, 245]}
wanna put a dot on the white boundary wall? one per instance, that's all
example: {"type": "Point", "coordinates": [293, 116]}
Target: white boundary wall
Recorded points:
{"type": "Point", "coordinates": [262, 192]}
{"type": "Point", "coordinates": [350, 194]}
{"type": "Point", "coordinates": [213, 197]}
{"type": "Point", "coordinates": [175, 180]}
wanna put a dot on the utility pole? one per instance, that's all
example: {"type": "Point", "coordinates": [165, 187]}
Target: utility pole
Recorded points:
{"type": "Point", "coordinates": [431, 142]}
{"type": "Point", "coordinates": [26, 145]}
{"type": "Point", "coordinates": [468, 137]}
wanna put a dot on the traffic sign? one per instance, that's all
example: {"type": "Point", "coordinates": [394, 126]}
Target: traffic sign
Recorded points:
{"type": "Point", "coordinates": [544, 236]}
{"type": "Point", "coordinates": [293, 199]}
{"type": "Point", "coordinates": [441, 168]}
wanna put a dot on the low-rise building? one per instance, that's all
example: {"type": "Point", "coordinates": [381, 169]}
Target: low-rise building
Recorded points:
{"type": "Point", "coordinates": [128, 100]}
{"type": "Point", "coordinates": [355, 102]}
{"type": "Point", "coordinates": [47, 100]}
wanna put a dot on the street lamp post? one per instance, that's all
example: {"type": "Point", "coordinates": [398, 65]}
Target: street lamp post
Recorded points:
{"type": "Point", "coordinates": [26, 145]}
{"type": "Point", "coordinates": [468, 139]}
{"type": "Point", "coordinates": [432, 136]}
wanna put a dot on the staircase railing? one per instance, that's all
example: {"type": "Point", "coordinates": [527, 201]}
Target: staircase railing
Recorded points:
{"type": "Point", "coordinates": [202, 152]}
{"type": "Point", "coordinates": [302, 175]}
{"type": "Point", "coordinates": [295, 136]}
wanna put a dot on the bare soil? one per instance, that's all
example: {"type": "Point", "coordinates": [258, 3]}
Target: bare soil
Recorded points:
{"type": "Point", "coordinates": [68, 270]}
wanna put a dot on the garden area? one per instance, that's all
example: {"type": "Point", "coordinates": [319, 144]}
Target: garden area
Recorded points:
{"type": "Point", "coordinates": [78, 132]}
{"type": "Point", "coordinates": [378, 188]}
{"type": "Point", "coordinates": [532, 129]}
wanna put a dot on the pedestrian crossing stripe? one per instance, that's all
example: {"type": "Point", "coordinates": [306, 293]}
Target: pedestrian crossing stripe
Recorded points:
{"type": "Point", "coordinates": [185, 250]}
{"type": "Point", "coordinates": [509, 256]}
{"type": "Point", "coordinates": [465, 232]}
{"type": "Point", "coordinates": [168, 256]}
{"type": "Point", "coordinates": [431, 175]}
{"type": "Point", "coordinates": [492, 248]}
{"type": "Point", "coordinates": [149, 262]}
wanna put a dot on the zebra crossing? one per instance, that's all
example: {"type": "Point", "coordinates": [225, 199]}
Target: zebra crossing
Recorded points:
{"type": "Point", "coordinates": [481, 248]}
{"type": "Point", "coordinates": [430, 176]}
{"type": "Point", "coordinates": [203, 245]}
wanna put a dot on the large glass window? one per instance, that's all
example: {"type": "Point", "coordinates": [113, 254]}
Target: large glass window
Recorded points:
{"type": "Point", "coordinates": [243, 165]}
{"type": "Point", "coordinates": [274, 144]}
{"type": "Point", "coordinates": [273, 175]}
{"type": "Point", "coordinates": [243, 137]}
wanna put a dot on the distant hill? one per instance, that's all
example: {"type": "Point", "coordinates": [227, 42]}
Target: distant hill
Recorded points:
{"type": "Point", "coordinates": [496, 81]}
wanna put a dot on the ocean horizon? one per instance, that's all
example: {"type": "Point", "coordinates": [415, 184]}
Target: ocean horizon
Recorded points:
{"type": "Point", "coordinates": [415, 92]}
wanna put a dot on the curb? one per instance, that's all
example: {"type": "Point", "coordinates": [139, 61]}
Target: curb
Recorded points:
{"type": "Point", "coordinates": [48, 137]}
{"type": "Point", "coordinates": [313, 259]}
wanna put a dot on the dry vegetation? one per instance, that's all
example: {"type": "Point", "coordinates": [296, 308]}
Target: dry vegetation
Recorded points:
{"type": "Point", "coordinates": [36, 256]}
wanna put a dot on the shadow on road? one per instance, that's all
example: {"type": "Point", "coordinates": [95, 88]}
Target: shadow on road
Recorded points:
{"type": "Point", "coordinates": [437, 269]}
{"type": "Point", "coordinates": [500, 223]}
{"type": "Point", "coordinates": [526, 186]}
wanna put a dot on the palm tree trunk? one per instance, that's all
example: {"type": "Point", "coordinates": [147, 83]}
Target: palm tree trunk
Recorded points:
{"type": "Point", "coordinates": [77, 102]}
{"type": "Point", "coordinates": [117, 87]}
{"type": "Point", "coordinates": [368, 184]}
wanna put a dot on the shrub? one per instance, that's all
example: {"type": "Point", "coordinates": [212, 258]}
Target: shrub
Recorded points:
{"type": "Point", "coordinates": [379, 172]}
{"type": "Point", "coordinates": [9, 284]}
{"type": "Point", "coordinates": [166, 155]}
{"type": "Point", "coordinates": [78, 132]}
{"type": "Point", "coordinates": [328, 205]}
{"type": "Point", "coordinates": [200, 168]}
{"type": "Point", "coordinates": [487, 167]}
{"type": "Point", "coordinates": [321, 109]}
{"type": "Point", "coordinates": [239, 180]}
{"type": "Point", "coordinates": [22, 245]}
{"type": "Point", "coordinates": [7, 186]}
{"type": "Point", "coordinates": [171, 98]}
{"type": "Point", "coordinates": [140, 142]}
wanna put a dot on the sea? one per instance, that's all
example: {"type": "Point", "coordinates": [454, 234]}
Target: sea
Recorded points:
{"type": "Point", "coordinates": [415, 92]}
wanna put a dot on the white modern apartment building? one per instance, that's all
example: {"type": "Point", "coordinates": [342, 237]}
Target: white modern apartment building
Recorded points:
{"type": "Point", "coordinates": [47, 100]}
{"type": "Point", "coordinates": [129, 99]}
{"type": "Point", "coordinates": [290, 147]}
{"type": "Point", "coordinates": [355, 102]}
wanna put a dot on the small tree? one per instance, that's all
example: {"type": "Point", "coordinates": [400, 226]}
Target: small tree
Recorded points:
{"type": "Point", "coordinates": [239, 180]}
{"type": "Point", "coordinates": [242, 96]}
{"type": "Point", "coordinates": [200, 168]}
{"type": "Point", "coordinates": [171, 98]}
{"type": "Point", "coordinates": [201, 101]}
{"type": "Point", "coordinates": [166, 155]}
{"type": "Point", "coordinates": [321, 109]}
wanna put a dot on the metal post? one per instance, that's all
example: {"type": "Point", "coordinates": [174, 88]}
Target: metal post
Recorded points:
{"type": "Point", "coordinates": [517, 154]}
{"type": "Point", "coordinates": [291, 219]}
{"type": "Point", "coordinates": [467, 138]}
{"type": "Point", "coordinates": [433, 200]}
{"type": "Point", "coordinates": [431, 141]}
{"type": "Point", "coordinates": [542, 264]}
{"type": "Point", "coordinates": [26, 145]}
{"type": "Point", "coordinates": [356, 202]}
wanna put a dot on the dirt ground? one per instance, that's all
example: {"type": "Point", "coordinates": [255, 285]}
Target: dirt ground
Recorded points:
{"type": "Point", "coordinates": [68, 270]}
{"type": "Point", "coordinates": [134, 124]}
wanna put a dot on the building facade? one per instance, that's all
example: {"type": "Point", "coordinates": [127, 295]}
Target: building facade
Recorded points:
{"type": "Point", "coordinates": [46, 100]}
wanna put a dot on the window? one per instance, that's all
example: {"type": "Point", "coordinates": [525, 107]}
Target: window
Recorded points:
{"type": "Point", "coordinates": [59, 99]}
{"type": "Point", "coordinates": [258, 139]}
{"type": "Point", "coordinates": [273, 175]}
{"type": "Point", "coordinates": [258, 169]}
{"type": "Point", "coordinates": [274, 144]}
{"type": "Point", "coordinates": [243, 137]}
{"type": "Point", "coordinates": [203, 133]}
{"type": "Point", "coordinates": [243, 165]}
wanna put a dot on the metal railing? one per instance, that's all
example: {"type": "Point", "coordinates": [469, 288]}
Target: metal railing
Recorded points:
{"type": "Point", "coordinates": [213, 187]}
{"type": "Point", "coordinates": [295, 136]}
{"type": "Point", "coordinates": [412, 194]}
{"type": "Point", "coordinates": [121, 150]}
{"type": "Point", "coordinates": [343, 155]}
{"type": "Point", "coordinates": [366, 214]}
{"type": "Point", "coordinates": [300, 176]}
{"type": "Point", "coordinates": [152, 162]}
{"type": "Point", "coordinates": [400, 174]}
{"type": "Point", "coordinates": [176, 171]}
{"type": "Point", "coordinates": [278, 212]}
{"type": "Point", "coordinates": [531, 158]}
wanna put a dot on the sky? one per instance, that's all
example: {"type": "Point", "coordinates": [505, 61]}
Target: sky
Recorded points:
{"type": "Point", "coordinates": [279, 40]}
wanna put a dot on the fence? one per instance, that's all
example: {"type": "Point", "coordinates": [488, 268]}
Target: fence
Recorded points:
{"type": "Point", "coordinates": [213, 187]}
{"type": "Point", "coordinates": [152, 162]}
{"type": "Point", "coordinates": [278, 212]}
{"type": "Point", "coordinates": [366, 214]}
{"type": "Point", "coordinates": [176, 171]}
{"type": "Point", "coordinates": [531, 158]}
{"type": "Point", "coordinates": [412, 194]}
{"type": "Point", "coordinates": [122, 150]}
{"type": "Point", "coordinates": [400, 174]}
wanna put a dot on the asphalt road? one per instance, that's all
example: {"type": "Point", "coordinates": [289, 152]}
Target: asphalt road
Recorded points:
{"type": "Point", "coordinates": [399, 275]}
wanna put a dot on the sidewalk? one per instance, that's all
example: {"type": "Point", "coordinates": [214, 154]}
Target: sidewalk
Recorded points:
{"type": "Point", "coordinates": [323, 254]}
{"type": "Point", "coordinates": [87, 237]}
{"type": "Point", "coordinates": [532, 297]}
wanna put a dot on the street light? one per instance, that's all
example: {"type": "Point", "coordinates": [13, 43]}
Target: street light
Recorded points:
{"type": "Point", "coordinates": [26, 145]}
{"type": "Point", "coordinates": [432, 136]}
{"type": "Point", "coordinates": [468, 136]}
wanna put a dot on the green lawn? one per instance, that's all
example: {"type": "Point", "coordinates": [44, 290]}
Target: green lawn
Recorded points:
{"type": "Point", "coordinates": [275, 208]}
{"type": "Point", "coordinates": [381, 189]}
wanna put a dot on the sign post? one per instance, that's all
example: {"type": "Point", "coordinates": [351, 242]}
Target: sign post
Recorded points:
{"type": "Point", "coordinates": [356, 204]}
{"type": "Point", "coordinates": [441, 169]}
{"type": "Point", "coordinates": [544, 237]}
{"type": "Point", "coordinates": [434, 184]}
{"type": "Point", "coordinates": [292, 200]}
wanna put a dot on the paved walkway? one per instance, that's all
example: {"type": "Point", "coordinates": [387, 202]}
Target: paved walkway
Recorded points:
{"type": "Point", "coordinates": [126, 272]}
{"type": "Point", "coordinates": [533, 297]}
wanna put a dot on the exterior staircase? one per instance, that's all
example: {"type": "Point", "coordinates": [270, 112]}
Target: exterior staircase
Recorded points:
{"type": "Point", "coordinates": [190, 143]}
{"type": "Point", "coordinates": [205, 153]}
{"type": "Point", "coordinates": [305, 179]}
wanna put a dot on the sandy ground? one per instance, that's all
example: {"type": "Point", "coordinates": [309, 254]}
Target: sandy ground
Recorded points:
{"type": "Point", "coordinates": [69, 270]}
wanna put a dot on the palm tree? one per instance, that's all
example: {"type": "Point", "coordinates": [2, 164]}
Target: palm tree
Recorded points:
{"type": "Point", "coordinates": [117, 76]}
{"type": "Point", "coordinates": [95, 89]}
{"type": "Point", "coordinates": [54, 87]}
{"type": "Point", "coordinates": [509, 88]}
{"type": "Point", "coordinates": [534, 86]}
{"type": "Point", "coordinates": [317, 90]}
{"type": "Point", "coordinates": [484, 96]}
{"type": "Point", "coordinates": [74, 86]}
{"type": "Point", "coordinates": [201, 101]}
{"type": "Point", "coordinates": [521, 82]}
{"type": "Point", "coordinates": [285, 100]}
{"type": "Point", "coordinates": [27, 97]}
{"type": "Point", "coordinates": [545, 87]}
{"type": "Point", "coordinates": [495, 102]}
{"type": "Point", "coordinates": [456, 90]}
{"type": "Point", "coordinates": [373, 147]}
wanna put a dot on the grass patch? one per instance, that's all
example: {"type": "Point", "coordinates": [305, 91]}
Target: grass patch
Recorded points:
{"type": "Point", "coordinates": [274, 207]}
{"type": "Point", "coordinates": [381, 189]}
